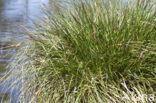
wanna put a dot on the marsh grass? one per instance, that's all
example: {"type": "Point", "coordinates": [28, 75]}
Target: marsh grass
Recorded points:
{"type": "Point", "coordinates": [90, 51]}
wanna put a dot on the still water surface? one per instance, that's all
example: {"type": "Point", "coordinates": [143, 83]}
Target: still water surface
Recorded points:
{"type": "Point", "coordinates": [13, 14]}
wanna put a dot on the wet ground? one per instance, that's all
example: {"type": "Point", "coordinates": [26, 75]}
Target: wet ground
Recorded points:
{"type": "Point", "coordinates": [13, 14]}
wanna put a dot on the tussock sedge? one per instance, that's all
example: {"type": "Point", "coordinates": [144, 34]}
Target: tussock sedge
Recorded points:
{"type": "Point", "coordinates": [89, 51]}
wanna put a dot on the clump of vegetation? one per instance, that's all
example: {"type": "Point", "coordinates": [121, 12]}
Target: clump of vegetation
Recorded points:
{"type": "Point", "coordinates": [90, 51]}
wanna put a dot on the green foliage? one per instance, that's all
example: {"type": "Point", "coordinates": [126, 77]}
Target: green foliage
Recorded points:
{"type": "Point", "coordinates": [83, 53]}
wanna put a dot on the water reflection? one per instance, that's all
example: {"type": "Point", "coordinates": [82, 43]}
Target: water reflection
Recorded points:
{"type": "Point", "coordinates": [13, 14]}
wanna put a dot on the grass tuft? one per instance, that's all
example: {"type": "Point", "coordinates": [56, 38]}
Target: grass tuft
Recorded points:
{"type": "Point", "coordinates": [90, 51]}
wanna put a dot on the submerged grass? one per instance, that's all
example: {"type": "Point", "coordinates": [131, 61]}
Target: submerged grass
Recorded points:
{"type": "Point", "coordinates": [90, 51]}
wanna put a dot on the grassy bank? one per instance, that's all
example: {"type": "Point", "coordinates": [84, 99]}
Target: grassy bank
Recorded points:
{"type": "Point", "coordinates": [90, 51]}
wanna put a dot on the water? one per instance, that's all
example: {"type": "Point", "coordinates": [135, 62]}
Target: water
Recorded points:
{"type": "Point", "coordinates": [13, 14]}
